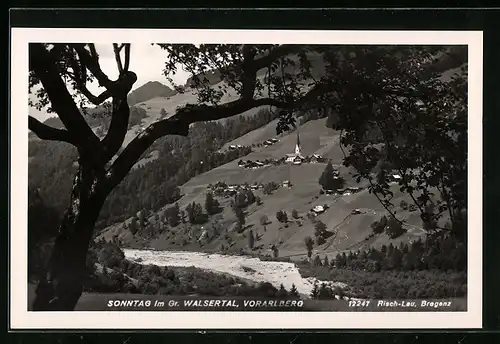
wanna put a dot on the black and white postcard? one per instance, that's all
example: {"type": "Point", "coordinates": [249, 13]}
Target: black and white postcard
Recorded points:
{"type": "Point", "coordinates": [176, 179]}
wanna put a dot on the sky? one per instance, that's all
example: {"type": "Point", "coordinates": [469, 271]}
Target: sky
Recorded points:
{"type": "Point", "coordinates": [146, 60]}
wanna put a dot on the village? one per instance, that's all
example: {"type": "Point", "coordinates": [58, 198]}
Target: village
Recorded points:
{"type": "Point", "coordinates": [295, 158]}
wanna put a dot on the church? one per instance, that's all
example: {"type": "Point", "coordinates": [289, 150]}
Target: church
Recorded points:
{"type": "Point", "coordinates": [295, 157]}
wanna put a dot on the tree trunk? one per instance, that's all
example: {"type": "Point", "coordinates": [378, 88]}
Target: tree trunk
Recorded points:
{"type": "Point", "coordinates": [62, 284]}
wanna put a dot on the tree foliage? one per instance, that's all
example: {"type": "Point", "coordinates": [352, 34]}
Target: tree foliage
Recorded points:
{"type": "Point", "coordinates": [330, 180]}
{"type": "Point", "coordinates": [397, 114]}
{"type": "Point", "coordinates": [211, 204]}
{"type": "Point", "coordinates": [240, 216]}
{"type": "Point", "coordinates": [378, 226]}
{"type": "Point", "coordinates": [194, 212]}
{"type": "Point", "coordinates": [251, 239]}
{"type": "Point", "coordinates": [309, 245]}
{"type": "Point", "coordinates": [281, 216]}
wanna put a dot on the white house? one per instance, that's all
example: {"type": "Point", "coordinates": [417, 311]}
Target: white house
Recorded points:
{"type": "Point", "coordinates": [318, 209]}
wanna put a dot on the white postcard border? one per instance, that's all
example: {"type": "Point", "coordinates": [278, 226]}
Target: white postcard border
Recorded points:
{"type": "Point", "coordinates": [22, 319]}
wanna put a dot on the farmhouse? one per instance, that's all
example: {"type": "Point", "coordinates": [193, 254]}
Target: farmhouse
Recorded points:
{"type": "Point", "coordinates": [254, 187]}
{"type": "Point", "coordinates": [319, 209]}
{"type": "Point", "coordinates": [396, 178]}
{"type": "Point", "coordinates": [315, 158]}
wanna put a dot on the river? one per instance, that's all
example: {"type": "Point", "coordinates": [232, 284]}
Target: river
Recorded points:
{"type": "Point", "coordinates": [245, 267]}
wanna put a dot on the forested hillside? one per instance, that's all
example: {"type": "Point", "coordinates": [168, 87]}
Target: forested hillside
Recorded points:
{"type": "Point", "coordinates": [150, 187]}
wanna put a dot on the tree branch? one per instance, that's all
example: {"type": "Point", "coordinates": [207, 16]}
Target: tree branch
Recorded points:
{"type": "Point", "coordinates": [127, 57]}
{"type": "Point", "coordinates": [178, 125]}
{"type": "Point", "coordinates": [120, 114]}
{"type": "Point", "coordinates": [62, 102]}
{"type": "Point", "coordinates": [249, 73]}
{"type": "Point", "coordinates": [117, 128]}
{"type": "Point", "coordinates": [383, 204]}
{"type": "Point", "coordinates": [452, 58]}
{"type": "Point", "coordinates": [96, 100]}
{"type": "Point", "coordinates": [276, 53]}
{"type": "Point", "coordinates": [91, 61]}
{"type": "Point", "coordinates": [133, 151]}
{"type": "Point", "coordinates": [93, 52]}
{"type": "Point", "coordinates": [118, 59]}
{"type": "Point", "coordinates": [80, 78]}
{"type": "Point", "coordinates": [180, 122]}
{"type": "Point", "coordinates": [46, 132]}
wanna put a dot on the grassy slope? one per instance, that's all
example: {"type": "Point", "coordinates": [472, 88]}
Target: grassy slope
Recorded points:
{"type": "Point", "coordinates": [352, 230]}
{"type": "Point", "coordinates": [315, 138]}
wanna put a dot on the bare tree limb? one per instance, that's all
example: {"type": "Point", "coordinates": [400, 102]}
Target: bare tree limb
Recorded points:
{"type": "Point", "coordinates": [177, 125]}
{"type": "Point", "coordinates": [180, 122]}
{"type": "Point", "coordinates": [96, 100]}
{"type": "Point", "coordinates": [91, 61]}
{"type": "Point", "coordinates": [127, 57]}
{"type": "Point", "coordinates": [120, 114]}
{"type": "Point", "coordinates": [46, 132]}
{"type": "Point", "coordinates": [93, 51]}
{"type": "Point", "coordinates": [117, 128]}
{"type": "Point", "coordinates": [80, 78]}
{"type": "Point", "coordinates": [118, 59]}
{"type": "Point", "coordinates": [62, 102]}
{"type": "Point", "coordinates": [249, 72]}
{"type": "Point", "coordinates": [133, 151]}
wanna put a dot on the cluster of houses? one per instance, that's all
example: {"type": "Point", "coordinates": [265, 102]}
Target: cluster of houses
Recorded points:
{"type": "Point", "coordinates": [344, 192]}
{"type": "Point", "coordinates": [295, 158]}
{"type": "Point", "coordinates": [310, 159]}
{"type": "Point", "coordinates": [266, 143]}
{"type": "Point", "coordinates": [256, 164]}
{"type": "Point", "coordinates": [251, 164]}
{"type": "Point", "coordinates": [320, 209]}
{"type": "Point", "coordinates": [229, 190]}
{"type": "Point", "coordinates": [270, 142]}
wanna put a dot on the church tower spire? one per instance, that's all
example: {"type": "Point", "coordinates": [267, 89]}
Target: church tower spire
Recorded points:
{"type": "Point", "coordinates": [297, 145]}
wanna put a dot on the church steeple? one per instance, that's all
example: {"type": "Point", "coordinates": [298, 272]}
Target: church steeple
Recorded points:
{"type": "Point", "coordinates": [297, 145]}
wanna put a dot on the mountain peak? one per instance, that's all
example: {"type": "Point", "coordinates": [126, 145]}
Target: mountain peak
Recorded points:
{"type": "Point", "coordinates": [151, 89]}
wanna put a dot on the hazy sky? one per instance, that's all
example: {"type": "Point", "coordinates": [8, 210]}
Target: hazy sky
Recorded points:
{"type": "Point", "coordinates": [146, 60]}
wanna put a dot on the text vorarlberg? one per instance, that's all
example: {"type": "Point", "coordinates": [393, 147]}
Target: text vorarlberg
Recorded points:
{"type": "Point", "coordinates": [202, 303]}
